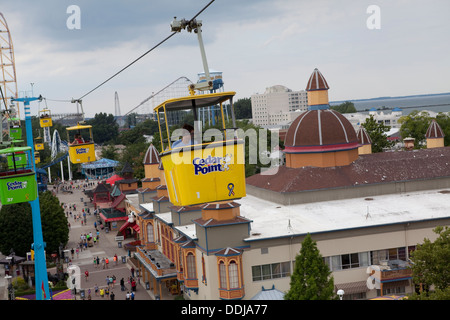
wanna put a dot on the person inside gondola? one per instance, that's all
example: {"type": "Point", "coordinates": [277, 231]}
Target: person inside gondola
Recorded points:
{"type": "Point", "coordinates": [78, 139]}
{"type": "Point", "coordinates": [187, 138]}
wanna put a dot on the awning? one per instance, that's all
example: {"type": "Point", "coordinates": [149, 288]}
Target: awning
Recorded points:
{"type": "Point", "coordinates": [352, 287]}
{"type": "Point", "coordinates": [117, 216]}
{"type": "Point", "coordinates": [132, 225]}
{"type": "Point", "coordinates": [113, 179]}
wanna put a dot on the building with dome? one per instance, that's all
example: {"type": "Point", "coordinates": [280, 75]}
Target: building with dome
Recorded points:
{"type": "Point", "coordinates": [320, 136]}
{"type": "Point", "coordinates": [367, 212]}
{"type": "Point", "coordinates": [277, 106]}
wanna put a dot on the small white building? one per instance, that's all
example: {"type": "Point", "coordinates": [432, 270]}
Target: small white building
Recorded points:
{"type": "Point", "coordinates": [389, 119]}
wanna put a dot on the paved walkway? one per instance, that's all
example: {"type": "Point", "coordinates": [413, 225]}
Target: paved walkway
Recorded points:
{"type": "Point", "coordinates": [106, 247]}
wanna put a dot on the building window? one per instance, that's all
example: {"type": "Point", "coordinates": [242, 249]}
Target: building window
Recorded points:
{"type": "Point", "coordinates": [348, 261]}
{"type": "Point", "coordinates": [203, 270]}
{"type": "Point", "coordinates": [150, 235]}
{"type": "Point", "coordinates": [271, 271]}
{"type": "Point", "coordinates": [222, 275]}
{"type": "Point", "coordinates": [190, 265]}
{"type": "Point", "coordinates": [233, 275]}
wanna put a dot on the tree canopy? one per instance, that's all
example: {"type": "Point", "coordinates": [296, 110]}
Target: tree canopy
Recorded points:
{"type": "Point", "coordinates": [311, 279]}
{"type": "Point", "coordinates": [416, 124]}
{"type": "Point", "coordinates": [243, 108]}
{"type": "Point", "coordinates": [345, 107]}
{"type": "Point", "coordinates": [430, 265]}
{"type": "Point", "coordinates": [104, 127]}
{"type": "Point", "coordinates": [377, 133]}
{"type": "Point", "coordinates": [16, 225]}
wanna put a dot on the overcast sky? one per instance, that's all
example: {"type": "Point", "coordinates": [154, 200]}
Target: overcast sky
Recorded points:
{"type": "Point", "coordinates": [255, 43]}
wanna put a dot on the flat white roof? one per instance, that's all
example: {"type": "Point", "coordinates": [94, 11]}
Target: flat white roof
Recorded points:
{"type": "Point", "coordinates": [166, 217]}
{"type": "Point", "coordinates": [188, 230]}
{"type": "Point", "coordinates": [147, 206]}
{"type": "Point", "coordinates": [272, 220]}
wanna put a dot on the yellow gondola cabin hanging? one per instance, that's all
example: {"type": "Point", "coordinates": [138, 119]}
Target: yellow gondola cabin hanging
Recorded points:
{"type": "Point", "coordinates": [201, 168]}
{"type": "Point", "coordinates": [81, 144]}
{"type": "Point", "coordinates": [38, 143]}
{"type": "Point", "coordinates": [45, 118]}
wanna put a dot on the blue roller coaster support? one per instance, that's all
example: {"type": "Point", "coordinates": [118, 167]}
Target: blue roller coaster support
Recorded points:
{"type": "Point", "coordinates": [40, 266]}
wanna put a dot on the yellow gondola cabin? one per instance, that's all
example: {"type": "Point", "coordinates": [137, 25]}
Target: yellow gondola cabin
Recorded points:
{"type": "Point", "coordinates": [45, 118]}
{"type": "Point", "coordinates": [38, 143]}
{"type": "Point", "coordinates": [37, 158]}
{"type": "Point", "coordinates": [201, 167]}
{"type": "Point", "coordinates": [81, 144]}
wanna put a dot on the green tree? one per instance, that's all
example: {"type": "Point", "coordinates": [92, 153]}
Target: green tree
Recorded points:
{"type": "Point", "coordinates": [134, 155]}
{"type": "Point", "coordinates": [16, 225]}
{"type": "Point", "coordinates": [377, 133]}
{"type": "Point", "coordinates": [311, 279]}
{"type": "Point", "coordinates": [430, 265]}
{"type": "Point", "coordinates": [16, 228]}
{"type": "Point", "coordinates": [54, 222]}
{"type": "Point", "coordinates": [110, 152]}
{"type": "Point", "coordinates": [104, 127]}
{"type": "Point", "coordinates": [243, 108]}
{"type": "Point", "coordinates": [415, 125]}
{"type": "Point", "coordinates": [345, 107]}
{"type": "Point", "coordinates": [444, 122]}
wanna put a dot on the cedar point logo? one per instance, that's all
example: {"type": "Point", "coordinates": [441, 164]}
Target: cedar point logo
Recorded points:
{"type": "Point", "coordinates": [211, 164]}
{"type": "Point", "coordinates": [15, 185]}
{"type": "Point", "coordinates": [82, 150]}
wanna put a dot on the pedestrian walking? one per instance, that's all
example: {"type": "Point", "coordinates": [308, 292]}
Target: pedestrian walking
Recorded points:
{"type": "Point", "coordinates": [107, 262]}
{"type": "Point", "coordinates": [132, 295]}
{"type": "Point", "coordinates": [86, 275]}
{"type": "Point", "coordinates": [102, 292]}
{"type": "Point", "coordinates": [132, 272]}
{"type": "Point", "coordinates": [112, 295]}
{"type": "Point", "coordinates": [127, 297]}
{"type": "Point", "coordinates": [72, 252]}
{"type": "Point", "coordinates": [96, 290]}
{"type": "Point", "coordinates": [122, 284]}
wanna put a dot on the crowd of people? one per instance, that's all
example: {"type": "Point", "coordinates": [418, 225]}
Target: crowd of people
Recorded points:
{"type": "Point", "coordinates": [77, 213]}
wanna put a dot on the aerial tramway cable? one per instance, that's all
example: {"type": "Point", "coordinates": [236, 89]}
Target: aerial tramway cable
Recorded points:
{"type": "Point", "coordinates": [144, 54]}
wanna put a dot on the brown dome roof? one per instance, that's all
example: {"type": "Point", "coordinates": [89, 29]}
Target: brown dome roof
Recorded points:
{"type": "Point", "coordinates": [151, 156]}
{"type": "Point", "coordinates": [320, 131]}
{"type": "Point", "coordinates": [363, 136]}
{"type": "Point", "coordinates": [317, 81]}
{"type": "Point", "coordinates": [434, 130]}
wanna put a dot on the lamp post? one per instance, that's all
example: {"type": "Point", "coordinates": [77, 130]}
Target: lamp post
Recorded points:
{"type": "Point", "coordinates": [340, 293]}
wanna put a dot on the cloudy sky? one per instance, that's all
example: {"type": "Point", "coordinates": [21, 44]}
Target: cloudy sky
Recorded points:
{"type": "Point", "coordinates": [255, 43]}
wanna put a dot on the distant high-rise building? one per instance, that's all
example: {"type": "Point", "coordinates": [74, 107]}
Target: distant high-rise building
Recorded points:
{"type": "Point", "coordinates": [277, 105]}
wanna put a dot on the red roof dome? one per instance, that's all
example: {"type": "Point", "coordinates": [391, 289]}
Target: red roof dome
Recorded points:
{"type": "Point", "coordinates": [434, 130]}
{"type": "Point", "coordinates": [363, 136]}
{"type": "Point", "coordinates": [317, 81]}
{"type": "Point", "coordinates": [151, 156]}
{"type": "Point", "coordinates": [320, 131]}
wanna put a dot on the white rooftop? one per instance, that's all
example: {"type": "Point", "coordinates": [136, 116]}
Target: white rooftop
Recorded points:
{"type": "Point", "coordinates": [147, 206]}
{"type": "Point", "coordinates": [271, 220]}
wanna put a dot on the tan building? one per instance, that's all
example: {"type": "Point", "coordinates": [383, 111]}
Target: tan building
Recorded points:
{"type": "Point", "coordinates": [366, 212]}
